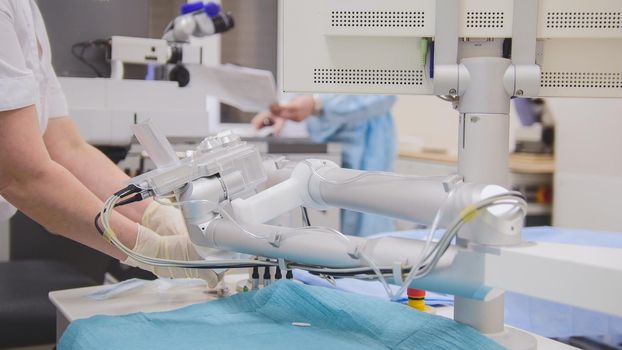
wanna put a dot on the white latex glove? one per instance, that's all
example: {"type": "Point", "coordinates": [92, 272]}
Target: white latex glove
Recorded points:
{"type": "Point", "coordinates": [177, 247]}
{"type": "Point", "coordinates": [166, 220]}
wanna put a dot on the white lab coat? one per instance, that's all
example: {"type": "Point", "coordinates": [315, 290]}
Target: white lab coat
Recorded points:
{"type": "Point", "coordinates": [26, 74]}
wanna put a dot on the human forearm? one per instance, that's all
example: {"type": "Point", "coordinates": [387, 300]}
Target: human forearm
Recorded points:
{"type": "Point", "coordinates": [90, 166]}
{"type": "Point", "coordinates": [58, 201]}
{"type": "Point", "coordinates": [103, 178]}
{"type": "Point", "coordinates": [50, 194]}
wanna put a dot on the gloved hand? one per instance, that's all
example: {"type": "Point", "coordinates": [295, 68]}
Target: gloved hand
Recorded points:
{"type": "Point", "coordinates": [173, 247]}
{"type": "Point", "coordinates": [166, 220]}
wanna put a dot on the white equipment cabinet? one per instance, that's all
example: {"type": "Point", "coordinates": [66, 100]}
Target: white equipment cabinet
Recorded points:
{"type": "Point", "coordinates": [105, 109]}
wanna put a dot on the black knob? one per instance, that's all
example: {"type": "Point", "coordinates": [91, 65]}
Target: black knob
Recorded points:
{"type": "Point", "coordinates": [180, 74]}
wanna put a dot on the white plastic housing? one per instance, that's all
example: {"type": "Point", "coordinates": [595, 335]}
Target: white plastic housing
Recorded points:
{"type": "Point", "coordinates": [155, 144]}
{"type": "Point", "coordinates": [105, 110]}
{"type": "Point", "coordinates": [370, 46]}
{"type": "Point", "coordinates": [139, 50]}
{"type": "Point", "coordinates": [223, 155]}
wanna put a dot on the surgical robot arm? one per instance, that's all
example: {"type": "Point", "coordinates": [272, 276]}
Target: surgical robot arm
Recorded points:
{"type": "Point", "coordinates": [223, 211]}
{"type": "Point", "coordinates": [219, 191]}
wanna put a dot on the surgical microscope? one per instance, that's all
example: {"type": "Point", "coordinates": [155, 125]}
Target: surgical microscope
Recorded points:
{"type": "Point", "coordinates": [196, 20]}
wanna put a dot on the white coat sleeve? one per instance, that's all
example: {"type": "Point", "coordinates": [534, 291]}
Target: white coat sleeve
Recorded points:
{"type": "Point", "coordinates": [18, 87]}
{"type": "Point", "coordinates": [55, 100]}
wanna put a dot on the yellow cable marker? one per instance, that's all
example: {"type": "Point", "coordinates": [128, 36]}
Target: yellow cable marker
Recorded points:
{"type": "Point", "coordinates": [469, 213]}
{"type": "Point", "coordinates": [108, 236]}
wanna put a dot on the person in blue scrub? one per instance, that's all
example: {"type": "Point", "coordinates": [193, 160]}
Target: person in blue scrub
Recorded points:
{"type": "Point", "coordinates": [363, 124]}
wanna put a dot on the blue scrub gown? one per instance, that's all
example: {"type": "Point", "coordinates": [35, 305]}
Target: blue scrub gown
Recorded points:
{"type": "Point", "coordinates": [363, 125]}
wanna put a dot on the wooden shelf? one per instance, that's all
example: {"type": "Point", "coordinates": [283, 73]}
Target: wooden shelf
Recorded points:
{"type": "Point", "coordinates": [524, 163]}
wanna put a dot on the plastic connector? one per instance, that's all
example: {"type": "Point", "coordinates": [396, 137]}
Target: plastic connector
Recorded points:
{"type": "Point", "coordinates": [275, 239]}
{"type": "Point", "coordinates": [450, 183]}
{"type": "Point", "coordinates": [354, 251]}
{"type": "Point", "coordinates": [282, 264]}
{"type": "Point", "coordinates": [398, 273]}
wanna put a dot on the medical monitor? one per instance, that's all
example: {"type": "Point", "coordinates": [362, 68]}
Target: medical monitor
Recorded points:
{"type": "Point", "coordinates": [379, 46]}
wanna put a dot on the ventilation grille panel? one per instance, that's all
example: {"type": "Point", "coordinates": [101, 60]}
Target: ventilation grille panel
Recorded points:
{"type": "Point", "coordinates": [482, 19]}
{"type": "Point", "coordinates": [368, 76]}
{"type": "Point", "coordinates": [583, 20]}
{"type": "Point", "coordinates": [375, 19]}
{"type": "Point", "coordinates": [581, 80]}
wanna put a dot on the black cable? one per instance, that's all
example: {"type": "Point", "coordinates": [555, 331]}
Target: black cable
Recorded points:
{"type": "Point", "coordinates": [84, 46]}
{"type": "Point", "coordinates": [338, 275]}
{"type": "Point", "coordinates": [135, 198]}
{"type": "Point", "coordinates": [305, 217]}
{"type": "Point", "coordinates": [130, 189]}
{"type": "Point", "coordinates": [81, 58]}
{"type": "Point", "coordinates": [97, 226]}
{"type": "Point", "coordinates": [230, 266]}
{"type": "Point", "coordinates": [352, 274]}
{"type": "Point", "coordinates": [122, 193]}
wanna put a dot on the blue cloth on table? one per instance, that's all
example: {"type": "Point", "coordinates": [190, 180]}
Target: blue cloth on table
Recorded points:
{"type": "Point", "coordinates": [369, 288]}
{"type": "Point", "coordinates": [263, 320]}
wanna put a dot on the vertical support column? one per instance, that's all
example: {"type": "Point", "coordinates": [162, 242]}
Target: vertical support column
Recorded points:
{"type": "Point", "coordinates": [483, 148]}
{"type": "Point", "coordinates": [484, 130]}
{"type": "Point", "coordinates": [487, 317]}
{"type": "Point", "coordinates": [484, 140]}
{"type": "Point", "coordinates": [483, 158]}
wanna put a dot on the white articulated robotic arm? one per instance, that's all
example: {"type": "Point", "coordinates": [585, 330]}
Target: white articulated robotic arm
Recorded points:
{"type": "Point", "coordinates": [219, 188]}
{"type": "Point", "coordinates": [322, 184]}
